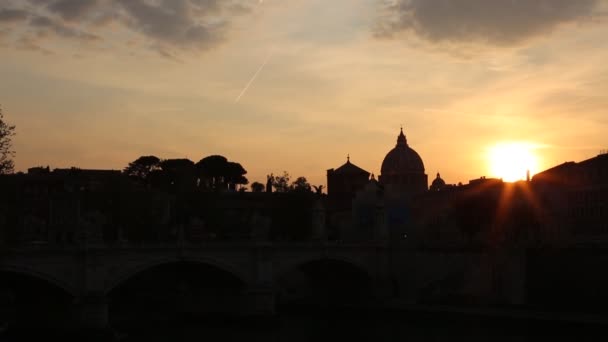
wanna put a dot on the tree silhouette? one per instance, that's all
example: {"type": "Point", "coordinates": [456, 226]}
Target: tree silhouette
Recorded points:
{"type": "Point", "coordinates": [234, 174]}
{"type": "Point", "coordinates": [212, 170]}
{"type": "Point", "coordinates": [300, 185]}
{"type": "Point", "coordinates": [280, 183]}
{"type": "Point", "coordinates": [142, 168]}
{"type": "Point", "coordinates": [216, 172]}
{"type": "Point", "coordinates": [257, 187]}
{"type": "Point", "coordinates": [6, 153]}
{"type": "Point", "coordinates": [178, 174]}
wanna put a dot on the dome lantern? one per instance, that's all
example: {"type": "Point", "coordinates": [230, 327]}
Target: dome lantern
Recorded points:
{"type": "Point", "coordinates": [401, 139]}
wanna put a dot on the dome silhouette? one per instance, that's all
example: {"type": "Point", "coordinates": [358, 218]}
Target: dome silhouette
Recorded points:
{"type": "Point", "coordinates": [403, 170]}
{"type": "Point", "coordinates": [402, 159]}
{"type": "Point", "coordinates": [438, 184]}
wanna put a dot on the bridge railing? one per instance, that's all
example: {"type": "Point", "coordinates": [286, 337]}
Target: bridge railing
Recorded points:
{"type": "Point", "coordinates": [46, 236]}
{"type": "Point", "coordinates": [150, 217]}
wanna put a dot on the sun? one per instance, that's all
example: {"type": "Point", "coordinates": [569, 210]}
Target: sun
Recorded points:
{"type": "Point", "coordinates": [512, 161]}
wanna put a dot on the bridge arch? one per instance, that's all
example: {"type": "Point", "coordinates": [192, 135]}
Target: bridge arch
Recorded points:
{"type": "Point", "coordinates": [298, 262]}
{"type": "Point", "coordinates": [171, 288]}
{"type": "Point", "coordinates": [40, 276]}
{"type": "Point", "coordinates": [323, 281]}
{"type": "Point", "coordinates": [32, 299]}
{"type": "Point", "coordinates": [131, 272]}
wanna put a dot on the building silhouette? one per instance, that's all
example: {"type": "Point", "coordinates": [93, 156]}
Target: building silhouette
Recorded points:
{"type": "Point", "coordinates": [344, 182]}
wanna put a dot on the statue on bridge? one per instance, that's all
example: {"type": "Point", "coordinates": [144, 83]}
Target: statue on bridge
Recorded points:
{"type": "Point", "coordinates": [269, 183]}
{"type": "Point", "coordinates": [318, 221]}
{"type": "Point", "coordinates": [92, 227]}
{"type": "Point", "coordinates": [35, 229]}
{"type": "Point", "coordinates": [260, 226]}
{"type": "Point", "coordinates": [3, 228]}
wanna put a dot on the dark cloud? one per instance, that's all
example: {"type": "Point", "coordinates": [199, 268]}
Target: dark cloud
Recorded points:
{"type": "Point", "coordinates": [171, 21]}
{"type": "Point", "coordinates": [46, 24]}
{"type": "Point", "coordinates": [498, 22]}
{"type": "Point", "coordinates": [165, 54]}
{"type": "Point", "coordinates": [72, 9]}
{"type": "Point", "coordinates": [12, 15]}
{"type": "Point", "coordinates": [167, 25]}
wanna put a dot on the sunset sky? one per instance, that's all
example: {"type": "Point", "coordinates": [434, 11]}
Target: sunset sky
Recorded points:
{"type": "Point", "coordinates": [98, 83]}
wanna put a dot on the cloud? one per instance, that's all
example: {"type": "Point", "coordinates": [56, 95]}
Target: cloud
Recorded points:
{"type": "Point", "coordinates": [46, 24]}
{"type": "Point", "coordinates": [3, 33]}
{"type": "Point", "coordinates": [167, 25]}
{"type": "Point", "coordinates": [72, 9]}
{"type": "Point", "coordinates": [172, 21]}
{"type": "Point", "coordinates": [12, 15]}
{"type": "Point", "coordinates": [31, 43]}
{"type": "Point", "coordinates": [494, 22]}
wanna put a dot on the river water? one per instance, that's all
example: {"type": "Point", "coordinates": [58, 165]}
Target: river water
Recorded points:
{"type": "Point", "coordinates": [335, 326]}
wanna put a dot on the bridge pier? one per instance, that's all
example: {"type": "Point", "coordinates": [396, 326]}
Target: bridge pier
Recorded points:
{"type": "Point", "coordinates": [91, 312]}
{"type": "Point", "coordinates": [259, 301]}
{"type": "Point", "coordinates": [383, 288]}
{"type": "Point", "coordinates": [512, 283]}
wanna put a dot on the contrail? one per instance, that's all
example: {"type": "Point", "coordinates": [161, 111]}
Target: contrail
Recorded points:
{"type": "Point", "coordinates": [253, 78]}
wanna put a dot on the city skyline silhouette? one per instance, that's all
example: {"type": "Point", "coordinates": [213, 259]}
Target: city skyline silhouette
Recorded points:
{"type": "Point", "coordinates": [107, 83]}
{"type": "Point", "coordinates": [303, 170]}
{"type": "Point", "coordinates": [507, 161]}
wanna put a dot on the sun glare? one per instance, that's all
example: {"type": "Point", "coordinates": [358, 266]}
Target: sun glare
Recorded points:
{"type": "Point", "coordinates": [511, 161]}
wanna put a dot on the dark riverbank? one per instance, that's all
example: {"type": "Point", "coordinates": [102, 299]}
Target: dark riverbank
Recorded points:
{"type": "Point", "coordinates": [298, 324]}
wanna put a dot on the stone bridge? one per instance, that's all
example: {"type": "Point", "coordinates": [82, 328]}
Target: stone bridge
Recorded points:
{"type": "Point", "coordinates": [93, 277]}
{"type": "Point", "coordinates": [90, 273]}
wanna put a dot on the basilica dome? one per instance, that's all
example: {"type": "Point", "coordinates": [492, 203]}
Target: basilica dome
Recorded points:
{"type": "Point", "coordinates": [402, 159]}
{"type": "Point", "coordinates": [438, 184]}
